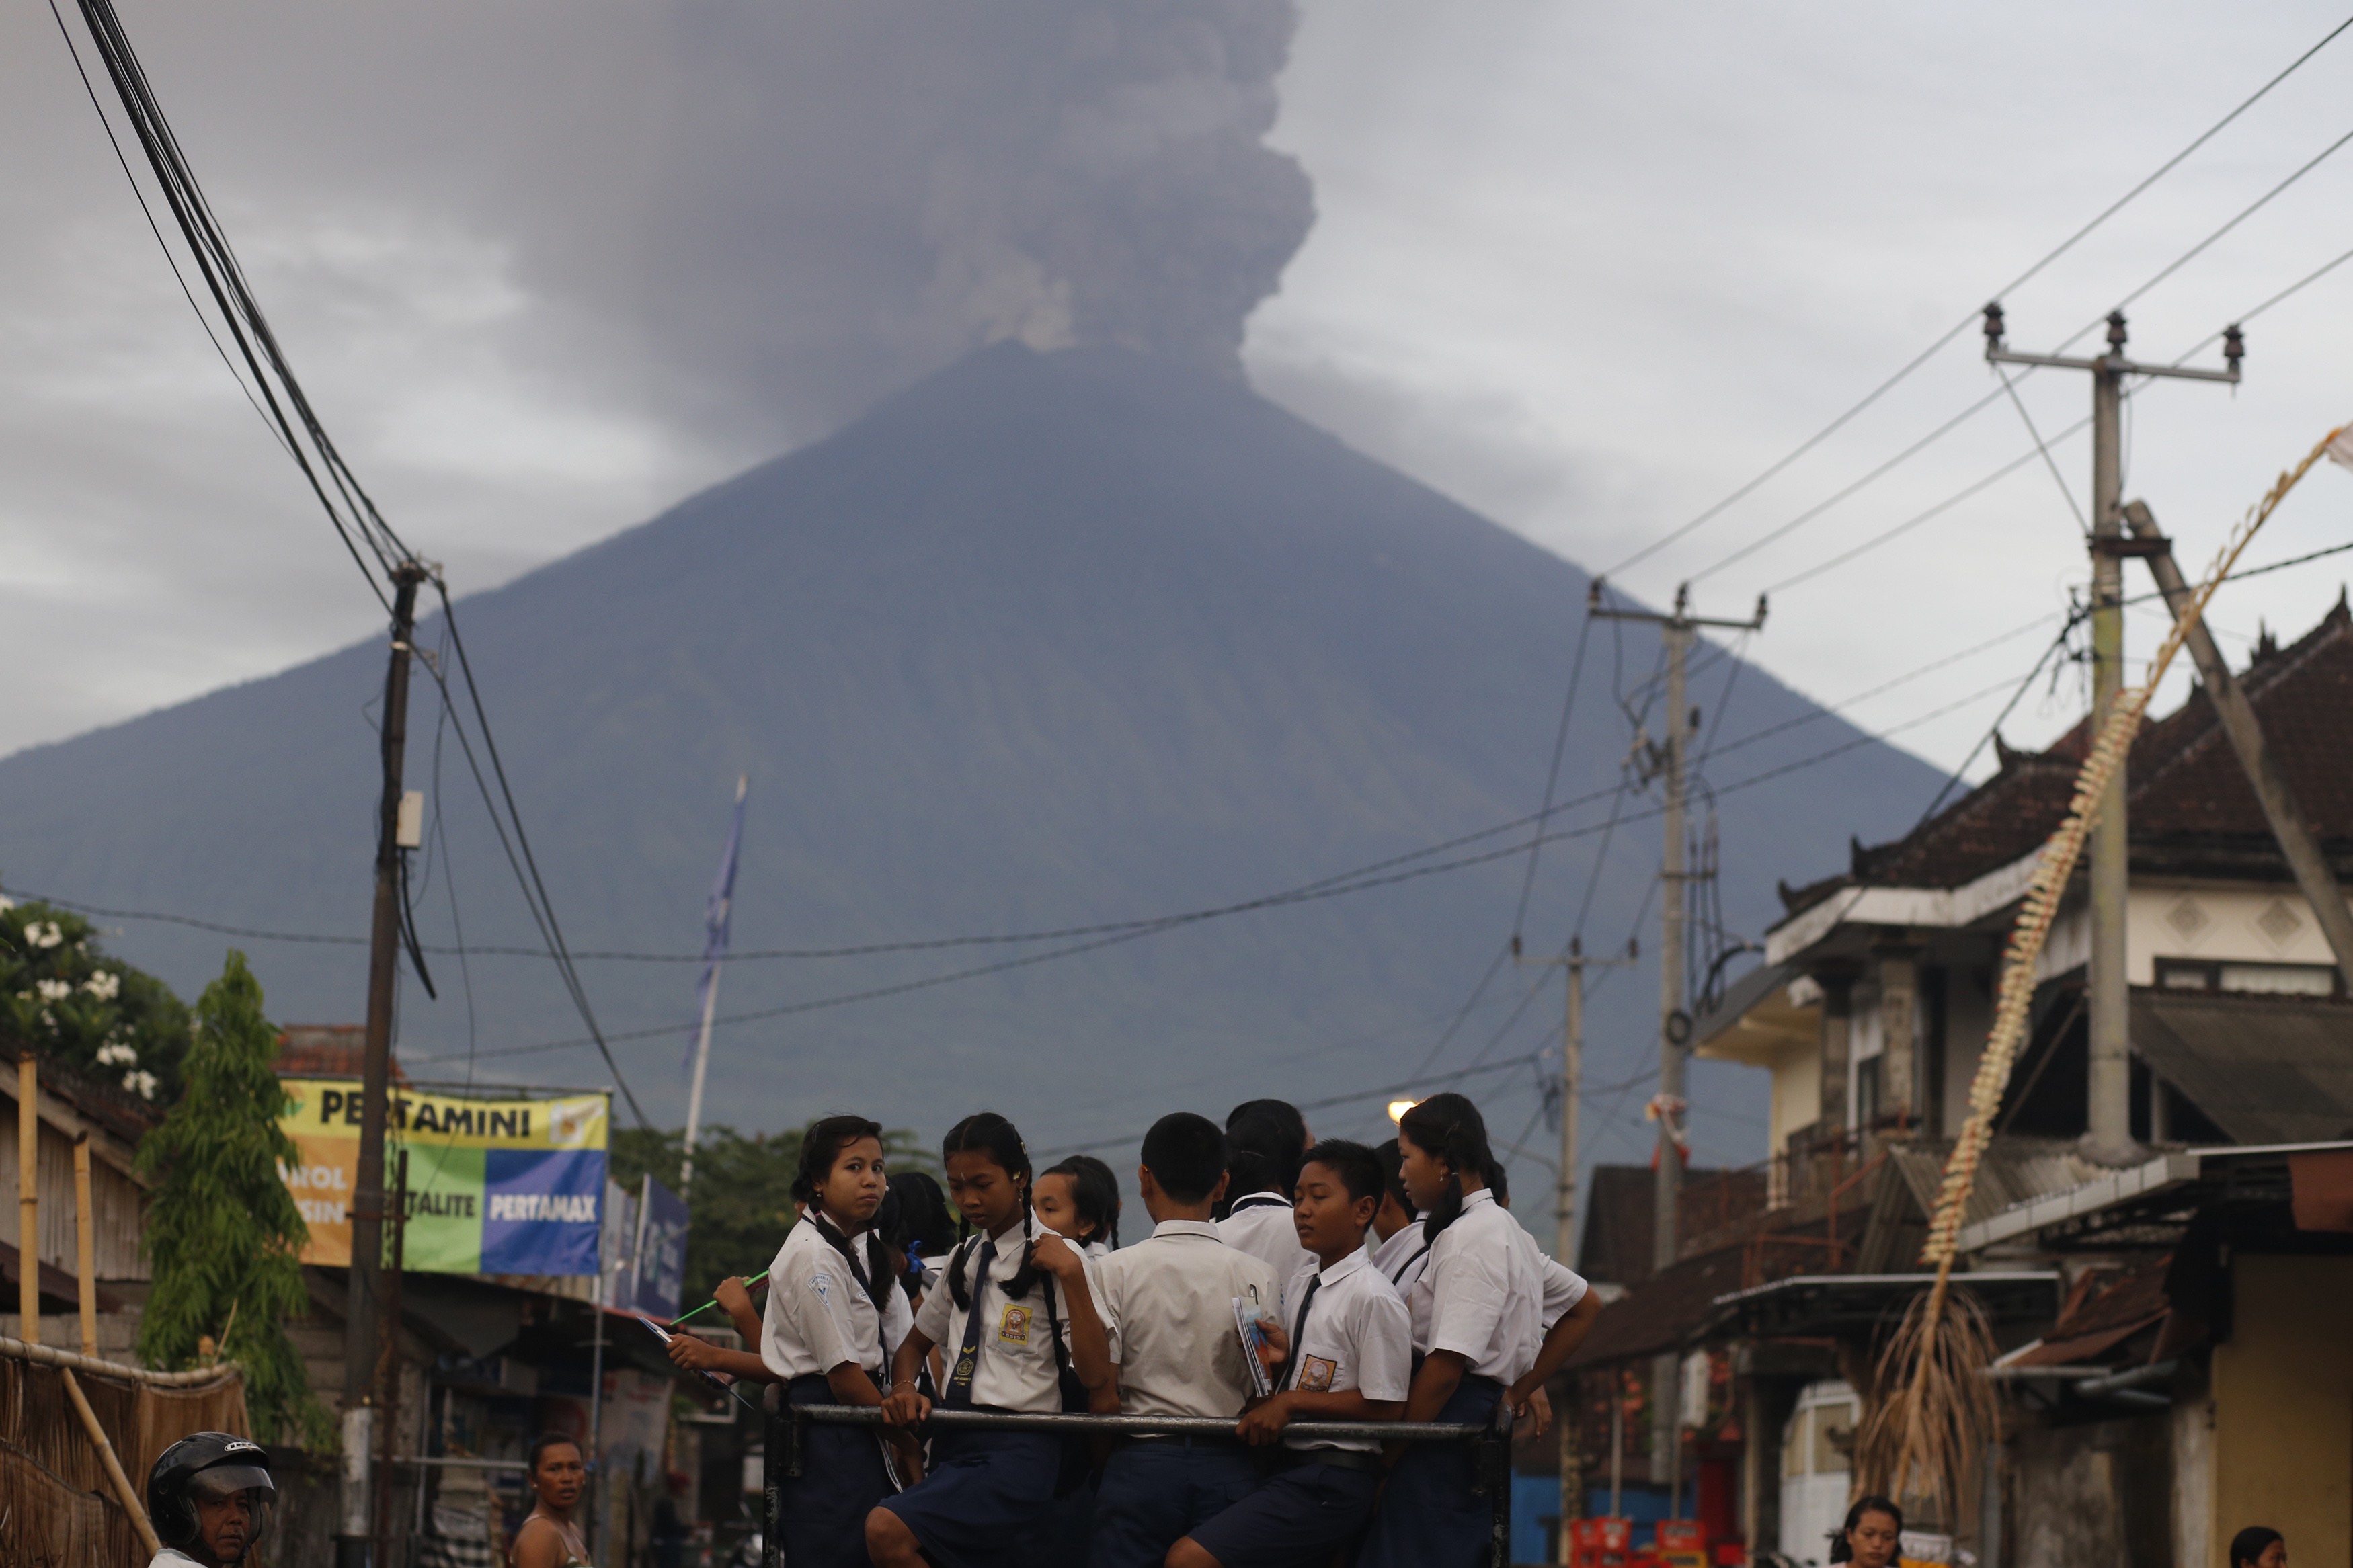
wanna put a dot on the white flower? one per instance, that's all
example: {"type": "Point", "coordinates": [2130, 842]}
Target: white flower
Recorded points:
{"type": "Point", "coordinates": [6, 902]}
{"type": "Point", "coordinates": [142, 1084]}
{"type": "Point", "coordinates": [114, 1054]}
{"type": "Point", "coordinates": [54, 990]}
{"type": "Point", "coordinates": [39, 935]}
{"type": "Point", "coordinates": [106, 985]}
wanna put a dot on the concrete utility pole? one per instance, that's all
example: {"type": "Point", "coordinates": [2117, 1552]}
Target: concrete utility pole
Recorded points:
{"type": "Point", "coordinates": [1573, 966]}
{"type": "Point", "coordinates": [1677, 632]}
{"type": "Point", "coordinates": [2108, 1137]}
{"type": "Point", "coordinates": [2298, 845]}
{"type": "Point", "coordinates": [362, 1327]}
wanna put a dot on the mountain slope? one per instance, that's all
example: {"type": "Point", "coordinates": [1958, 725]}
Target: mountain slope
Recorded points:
{"type": "Point", "coordinates": [1042, 642]}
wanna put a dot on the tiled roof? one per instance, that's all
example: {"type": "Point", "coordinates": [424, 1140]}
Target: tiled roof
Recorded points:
{"type": "Point", "coordinates": [2190, 803]}
{"type": "Point", "coordinates": [1619, 1206]}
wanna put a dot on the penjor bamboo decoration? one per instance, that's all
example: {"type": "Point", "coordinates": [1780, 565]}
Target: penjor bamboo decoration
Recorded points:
{"type": "Point", "coordinates": [1934, 1411]}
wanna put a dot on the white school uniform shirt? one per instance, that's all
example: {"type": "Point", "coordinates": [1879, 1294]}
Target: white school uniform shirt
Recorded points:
{"type": "Point", "coordinates": [1479, 1294]}
{"type": "Point", "coordinates": [1261, 1226]}
{"type": "Point", "coordinates": [1167, 1303]}
{"type": "Point", "coordinates": [819, 1316]}
{"type": "Point", "coordinates": [1014, 1369]}
{"type": "Point", "coordinates": [1358, 1334]}
{"type": "Point", "coordinates": [1095, 1249]}
{"type": "Point", "coordinates": [1403, 1256]}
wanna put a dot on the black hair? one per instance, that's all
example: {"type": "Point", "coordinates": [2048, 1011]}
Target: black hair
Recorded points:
{"type": "Point", "coordinates": [1499, 1182]}
{"type": "Point", "coordinates": [985, 1132]}
{"type": "Point", "coordinates": [1264, 1139]}
{"type": "Point", "coordinates": [1094, 1193]}
{"type": "Point", "coordinates": [546, 1440]}
{"type": "Point", "coordinates": [1358, 1168]}
{"type": "Point", "coordinates": [1185, 1154]}
{"type": "Point", "coordinates": [1842, 1548]}
{"type": "Point", "coordinates": [1392, 1161]}
{"type": "Point", "coordinates": [2251, 1543]}
{"type": "Point", "coordinates": [1448, 1127]}
{"type": "Point", "coordinates": [921, 1225]}
{"type": "Point", "coordinates": [821, 1148]}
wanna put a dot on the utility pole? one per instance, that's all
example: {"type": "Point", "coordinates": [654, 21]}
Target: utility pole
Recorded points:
{"type": "Point", "coordinates": [362, 1326]}
{"type": "Point", "coordinates": [1677, 632]}
{"type": "Point", "coordinates": [2108, 1136]}
{"type": "Point", "coordinates": [1573, 966]}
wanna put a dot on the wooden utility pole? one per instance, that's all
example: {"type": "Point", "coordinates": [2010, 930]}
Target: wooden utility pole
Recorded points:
{"type": "Point", "coordinates": [1572, 965]}
{"type": "Point", "coordinates": [2108, 1135]}
{"type": "Point", "coordinates": [362, 1325]}
{"type": "Point", "coordinates": [1677, 631]}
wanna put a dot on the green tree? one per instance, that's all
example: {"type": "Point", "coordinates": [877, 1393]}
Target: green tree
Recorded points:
{"type": "Point", "coordinates": [75, 1004]}
{"type": "Point", "coordinates": [743, 1196]}
{"type": "Point", "coordinates": [222, 1229]}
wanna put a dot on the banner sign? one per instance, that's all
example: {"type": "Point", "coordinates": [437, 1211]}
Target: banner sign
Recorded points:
{"type": "Point", "coordinates": [495, 1186]}
{"type": "Point", "coordinates": [657, 1275]}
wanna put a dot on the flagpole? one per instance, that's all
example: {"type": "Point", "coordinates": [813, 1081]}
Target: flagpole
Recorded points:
{"type": "Point", "coordinates": [710, 1006]}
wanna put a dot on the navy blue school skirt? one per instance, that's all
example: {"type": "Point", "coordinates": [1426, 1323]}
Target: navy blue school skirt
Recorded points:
{"type": "Point", "coordinates": [1429, 1516]}
{"type": "Point", "coordinates": [981, 1500]}
{"type": "Point", "coordinates": [1296, 1519]}
{"type": "Point", "coordinates": [821, 1514]}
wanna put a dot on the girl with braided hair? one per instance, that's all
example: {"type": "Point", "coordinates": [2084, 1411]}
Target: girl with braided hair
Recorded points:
{"type": "Point", "coordinates": [1475, 1334]}
{"type": "Point", "coordinates": [1018, 1319]}
{"type": "Point", "coordinates": [833, 1316]}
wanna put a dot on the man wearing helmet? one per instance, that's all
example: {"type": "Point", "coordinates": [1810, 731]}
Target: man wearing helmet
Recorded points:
{"type": "Point", "coordinates": [207, 1496]}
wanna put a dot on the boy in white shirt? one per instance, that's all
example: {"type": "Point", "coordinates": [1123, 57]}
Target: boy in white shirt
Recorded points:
{"type": "Point", "coordinates": [1167, 1303]}
{"type": "Point", "coordinates": [1348, 1356]}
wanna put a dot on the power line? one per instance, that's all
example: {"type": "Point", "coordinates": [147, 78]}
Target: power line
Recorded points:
{"type": "Point", "coordinates": [1552, 772]}
{"type": "Point", "coordinates": [1978, 406]}
{"type": "Point", "coordinates": [1963, 325]}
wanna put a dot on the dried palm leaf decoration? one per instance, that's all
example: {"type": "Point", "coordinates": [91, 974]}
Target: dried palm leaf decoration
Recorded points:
{"type": "Point", "coordinates": [1932, 1411]}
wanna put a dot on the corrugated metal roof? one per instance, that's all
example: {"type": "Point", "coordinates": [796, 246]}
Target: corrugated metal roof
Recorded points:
{"type": "Point", "coordinates": [2267, 1069]}
{"type": "Point", "coordinates": [2011, 1171]}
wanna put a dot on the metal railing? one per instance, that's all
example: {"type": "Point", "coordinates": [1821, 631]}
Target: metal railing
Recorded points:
{"type": "Point", "coordinates": [1491, 1468]}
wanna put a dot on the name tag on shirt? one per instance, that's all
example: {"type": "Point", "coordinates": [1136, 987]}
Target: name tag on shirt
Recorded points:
{"type": "Point", "coordinates": [1013, 1326]}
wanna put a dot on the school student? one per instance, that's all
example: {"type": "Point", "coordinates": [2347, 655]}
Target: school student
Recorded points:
{"type": "Point", "coordinates": [1168, 1302]}
{"type": "Point", "coordinates": [1013, 1313]}
{"type": "Point", "coordinates": [1474, 1310]}
{"type": "Point", "coordinates": [834, 1315]}
{"type": "Point", "coordinates": [1348, 1357]}
{"type": "Point", "coordinates": [1403, 1248]}
{"type": "Point", "coordinates": [1264, 1139]}
{"type": "Point", "coordinates": [1080, 1198]}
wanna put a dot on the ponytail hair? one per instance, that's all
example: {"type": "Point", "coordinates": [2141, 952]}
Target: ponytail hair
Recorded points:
{"type": "Point", "coordinates": [1448, 1127]}
{"type": "Point", "coordinates": [988, 1134]}
{"type": "Point", "coordinates": [1264, 1139]}
{"type": "Point", "coordinates": [821, 1148]}
{"type": "Point", "coordinates": [1842, 1548]}
{"type": "Point", "coordinates": [1094, 1193]}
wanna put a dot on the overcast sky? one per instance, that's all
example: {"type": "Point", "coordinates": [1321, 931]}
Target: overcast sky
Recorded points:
{"type": "Point", "coordinates": [549, 268]}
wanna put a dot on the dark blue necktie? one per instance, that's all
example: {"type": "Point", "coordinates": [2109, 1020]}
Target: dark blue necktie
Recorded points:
{"type": "Point", "coordinates": [959, 1389]}
{"type": "Point", "coordinates": [1298, 1334]}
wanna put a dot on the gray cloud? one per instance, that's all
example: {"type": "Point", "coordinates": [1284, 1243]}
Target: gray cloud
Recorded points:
{"type": "Point", "coordinates": [802, 204]}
